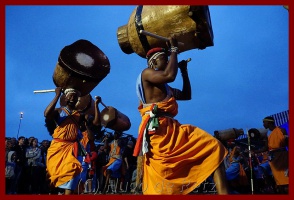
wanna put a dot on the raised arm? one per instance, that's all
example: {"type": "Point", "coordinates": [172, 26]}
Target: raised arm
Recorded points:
{"type": "Point", "coordinates": [50, 110]}
{"type": "Point", "coordinates": [169, 73]}
{"type": "Point", "coordinates": [97, 120]}
{"type": "Point", "coordinates": [86, 123]}
{"type": "Point", "coordinates": [185, 93]}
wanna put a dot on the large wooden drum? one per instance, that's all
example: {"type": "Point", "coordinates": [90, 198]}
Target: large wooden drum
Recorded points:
{"type": "Point", "coordinates": [190, 24]}
{"type": "Point", "coordinates": [81, 66]}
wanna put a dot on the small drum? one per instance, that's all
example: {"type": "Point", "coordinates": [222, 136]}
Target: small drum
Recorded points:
{"type": "Point", "coordinates": [85, 104]}
{"type": "Point", "coordinates": [115, 120]}
{"type": "Point", "coordinates": [257, 133]}
{"type": "Point", "coordinates": [81, 66]}
{"type": "Point", "coordinates": [228, 134]}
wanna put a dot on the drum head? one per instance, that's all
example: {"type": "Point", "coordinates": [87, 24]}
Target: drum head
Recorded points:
{"type": "Point", "coordinates": [85, 59]}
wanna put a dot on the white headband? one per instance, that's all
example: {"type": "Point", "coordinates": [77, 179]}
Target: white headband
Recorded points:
{"type": "Point", "coordinates": [154, 56]}
{"type": "Point", "coordinates": [71, 90]}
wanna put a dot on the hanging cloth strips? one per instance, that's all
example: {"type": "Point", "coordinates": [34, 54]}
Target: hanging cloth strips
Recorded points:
{"type": "Point", "coordinates": [149, 126]}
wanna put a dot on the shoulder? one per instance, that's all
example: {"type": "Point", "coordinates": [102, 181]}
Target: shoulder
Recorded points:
{"type": "Point", "coordinates": [148, 72]}
{"type": "Point", "coordinates": [283, 130]}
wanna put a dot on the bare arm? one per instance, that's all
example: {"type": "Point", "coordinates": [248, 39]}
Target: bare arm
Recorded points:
{"type": "Point", "coordinates": [50, 110]}
{"type": "Point", "coordinates": [185, 93]}
{"type": "Point", "coordinates": [285, 135]}
{"type": "Point", "coordinates": [97, 120]}
{"type": "Point", "coordinates": [154, 80]}
{"type": "Point", "coordinates": [127, 164]}
{"type": "Point", "coordinates": [168, 74]}
{"type": "Point", "coordinates": [89, 126]}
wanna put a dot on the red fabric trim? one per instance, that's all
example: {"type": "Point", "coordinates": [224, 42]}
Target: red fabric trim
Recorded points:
{"type": "Point", "coordinates": [75, 149]}
{"type": "Point", "coordinates": [138, 145]}
{"type": "Point", "coordinates": [139, 142]}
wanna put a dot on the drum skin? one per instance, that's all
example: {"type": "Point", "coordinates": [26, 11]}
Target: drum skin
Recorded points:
{"type": "Point", "coordinates": [113, 119]}
{"type": "Point", "coordinates": [82, 66]}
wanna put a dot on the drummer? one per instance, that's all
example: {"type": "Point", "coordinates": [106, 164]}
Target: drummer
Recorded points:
{"type": "Point", "coordinates": [177, 157]}
{"type": "Point", "coordinates": [65, 154]}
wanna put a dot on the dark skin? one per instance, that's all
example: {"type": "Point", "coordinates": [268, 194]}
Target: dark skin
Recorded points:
{"type": "Point", "coordinates": [271, 126]}
{"type": "Point", "coordinates": [97, 119]}
{"type": "Point", "coordinates": [283, 189]}
{"type": "Point", "coordinates": [154, 80]}
{"type": "Point", "coordinates": [71, 99]}
{"type": "Point", "coordinates": [155, 91]}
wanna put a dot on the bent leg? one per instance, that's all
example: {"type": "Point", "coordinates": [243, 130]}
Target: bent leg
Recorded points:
{"type": "Point", "coordinates": [219, 178]}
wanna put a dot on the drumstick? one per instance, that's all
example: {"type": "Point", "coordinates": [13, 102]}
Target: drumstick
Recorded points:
{"type": "Point", "coordinates": [44, 91]}
{"type": "Point", "coordinates": [158, 37]}
{"type": "Point", "coordinates": [102, 103]}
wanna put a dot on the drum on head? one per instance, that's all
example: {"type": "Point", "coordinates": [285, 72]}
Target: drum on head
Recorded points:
{"type": "Point", "coordinates": [191, 25]}
{"type": "Point", "coordinates": [81, 66]}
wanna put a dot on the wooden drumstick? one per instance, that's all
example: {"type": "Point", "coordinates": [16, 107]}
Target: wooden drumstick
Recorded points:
{"type": "Point", "coordinates": [158, 37]}
{"type": "Point", "coordinates": [44, 91]}
{"type": "Point", "coordinates": [102, 103]}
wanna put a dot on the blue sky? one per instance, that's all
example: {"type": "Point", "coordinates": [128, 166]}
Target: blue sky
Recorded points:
{"type": "Point", "coordinates": [235, 83]}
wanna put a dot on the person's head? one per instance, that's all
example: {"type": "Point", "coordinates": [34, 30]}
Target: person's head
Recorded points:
{"type": "Point", "coordinates": [268, 122]}
{"type": "Point", "coordinates": [34, 142]}
{"type": "Point", "coordinates": [235, 153]}
{"type": "Point", "coordinates": [157, 58]}
{"type": "Point", "coordinates": [8, 144]}
{"type": "Point", "coordinates": [71, 97]}
{"type": "Point", "coordinates": [13, 141]}
{"type": "Point", "coordinates": [30, 139]}
{"type": "Point", "coordinates": [21, 140]}
{"type": "Point", "coordinates": [45, 143]}
{"type": "Point", "coordinates": [7, 139]}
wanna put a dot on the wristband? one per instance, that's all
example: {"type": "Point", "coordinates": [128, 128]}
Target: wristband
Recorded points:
{"type": "Point", "coordinates": [174, 49]}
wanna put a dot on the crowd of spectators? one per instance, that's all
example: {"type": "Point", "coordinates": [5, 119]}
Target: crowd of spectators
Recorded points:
{"type": "Point", "coordinates": [26, 171]}
{"type": "Point", "coordinates": [26, 174]}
